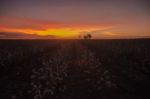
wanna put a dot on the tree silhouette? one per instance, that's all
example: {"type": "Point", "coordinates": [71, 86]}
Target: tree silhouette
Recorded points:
{"type": "Point", "coordinates": [88, 36]}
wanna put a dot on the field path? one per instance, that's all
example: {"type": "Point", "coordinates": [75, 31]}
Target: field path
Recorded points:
{"type": "Point", "coordinates": [70, 71]}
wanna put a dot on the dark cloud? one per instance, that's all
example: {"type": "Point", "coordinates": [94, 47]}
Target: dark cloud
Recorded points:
{"type": "Point", "coordinates": [146, 5]}
{"type": "Point", "coordinates": [6, 35]}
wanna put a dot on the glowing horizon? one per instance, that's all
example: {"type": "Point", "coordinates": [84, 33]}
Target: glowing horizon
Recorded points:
{"type": "Point", "coordinates": [60, 30]}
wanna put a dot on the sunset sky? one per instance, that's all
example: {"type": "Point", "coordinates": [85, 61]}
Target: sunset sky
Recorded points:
{"type": "Point", "coordinates": [74, 18]}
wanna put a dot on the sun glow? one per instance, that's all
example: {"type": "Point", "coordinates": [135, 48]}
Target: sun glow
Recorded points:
{"type": "Point", "coordinates": [60, 33]}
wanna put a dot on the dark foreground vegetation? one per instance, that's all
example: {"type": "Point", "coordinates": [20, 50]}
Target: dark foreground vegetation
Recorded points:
{"type": "Point", "coordinates": [75, 69]}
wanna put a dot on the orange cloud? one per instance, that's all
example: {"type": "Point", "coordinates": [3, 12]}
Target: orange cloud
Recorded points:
{"type": "Point", "coordinates": [41, 27]}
